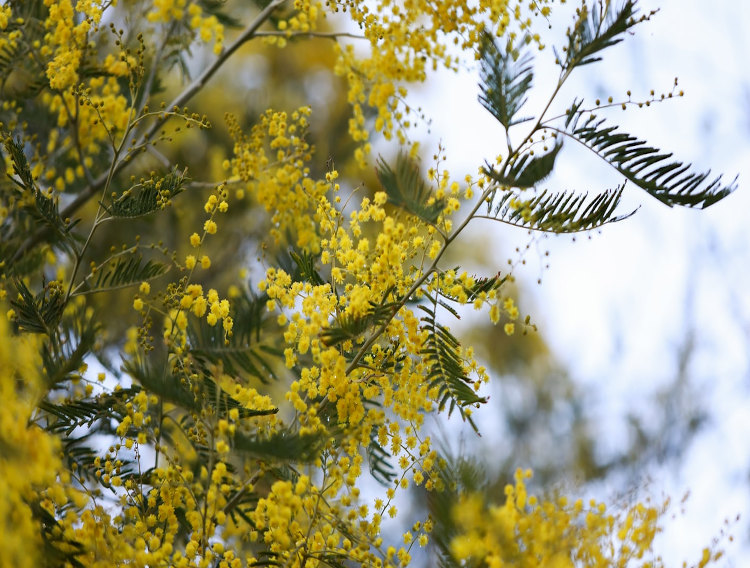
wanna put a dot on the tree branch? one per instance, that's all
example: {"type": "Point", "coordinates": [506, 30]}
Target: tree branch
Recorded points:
{"type": "Point", "coordinates": [189, 92]}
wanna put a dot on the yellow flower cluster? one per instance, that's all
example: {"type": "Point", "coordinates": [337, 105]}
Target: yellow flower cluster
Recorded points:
{"type": "Point", "coordinates": [207, 27]}
{"type": "Point", "coordinates": [29, 459]}
{"type": "Point", "coordinates": [5, 15]}
{"type": "Point", "coordinates": [272, 162]}
{"type": "Point", "coordinates": [304, 19]}
{"type": "Point", "coordinates": [528, 532]}
{"type": "Point", "coordinates": [372, 258]}
{"type": "Point", "coordinates": [409, 38]}
{"type": "Point", "coordinates": [90, 106]}
{"type": "Point", "coordinates": [66, 38]}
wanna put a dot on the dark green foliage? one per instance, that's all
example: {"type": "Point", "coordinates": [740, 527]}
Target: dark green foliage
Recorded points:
{"type": "Point", "coordinates": [120, 271]}
{"type": "Point", "coordinates": [43, 209]}
{"type": "Point", "coordinates": [407, 189]}
{"type": "Point", "coordinates": [563, 212]}
{"type": "Point", "coordinates": [149, 196]}
{"type": "Point", "coordinates": [506, 77]}
{"type": "Point", "coordinates": [64, 352]}
{"type": "Point", "coordinates": [378, 459]}
{"type": "Point", "coordinates": [591, 35]}
{"type": "Point", "coordinates": [526, 171]}
{"type": "Point", "coordinates": [190, 395]}
{"type": "Point", "coordinates": [40, 313]}
{"type": "Point", "coordinates": [284, 445]}
{"type": "Point", "coordinates": [242, 353]}
{"type": "Point", "coordinates": [441, 353]}
{"type": "Point", "coordinates": [504, 83]}
{"type": "Point", "coordinates": [349, 328]}
{"type": "Point", "coordinates": [21, 169]}
{"type": "Point", "coordinates": [96, 416]}
{"type": "Point", "coordinates": [484, 284]}
{"type": "Point", "coordinates": [306, 270]}
{"type": "Point", "coordinates": [648, 168]}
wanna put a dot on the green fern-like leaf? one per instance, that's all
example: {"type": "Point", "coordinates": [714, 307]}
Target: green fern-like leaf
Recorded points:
{"type": "Point", "coordinates": [379, 460]}
{"type": "Point", "coordinates": [44, 209]}
{"type": "Point", "coordinates": [563, 212]}
{"type": "Point", "coordinates": [349, 328]}
{"type": "Point", "coordinates": [284, 446]}
{"type": "Point", "coordinates": [446, 370]}
{"type": "Point", "coordinates": [590, 35]}
{"type": "Point", "coordinates": [191, 396]}
{"type": "Point", "coordinates": [120, 271]}
{"type": "Point", "coordinates": [525, 171]}
{"type": "Point", "coordinates": [39, 313]}
{"type": "Point", "coordinates": [306, 270]}
{"type": "Point", "coordinates": [67, 347]}
{"type": "Point", "coordinates": [483, 285]}
{"type": "Point", "coordinates": [243, 353]}
{"type": "Point", "coordinates": [668, 181]}
{"type": "Point", "coordinates": [505, 78]}
{"type": "Point", "coordinates": [147, 197]}
{"type": "Point", "coordinates": [21, 168]}
{"type": "Point", "coordinates": [406, 189]}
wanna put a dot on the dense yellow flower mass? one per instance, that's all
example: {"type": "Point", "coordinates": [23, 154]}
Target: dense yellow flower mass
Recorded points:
{"type": "Point", "coordinates": [529, 532]}
{"type": "Point", "coordinates": [241, 421]}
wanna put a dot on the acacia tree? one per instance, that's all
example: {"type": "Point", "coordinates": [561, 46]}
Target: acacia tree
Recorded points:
{"type": "Point", "coordinates": [237, 425]}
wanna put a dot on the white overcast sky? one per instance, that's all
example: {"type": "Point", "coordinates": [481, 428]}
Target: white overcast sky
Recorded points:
{"type": "Point", "coordinates": [614, 308]}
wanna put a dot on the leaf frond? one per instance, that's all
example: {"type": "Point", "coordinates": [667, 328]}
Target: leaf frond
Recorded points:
{"type": "Point", "coordinates": [193, 396]}
{"type": "Point", "coordinates": [149, 196]}
{"type": "Point", "coordinates": [526, 171]}
{"type": "Point", "coordinates": [44, 208]}
{"type": "Point", "coordinates": [505, 78]}
{"type": "Point", "coordinates": [446, 369]}
{"type": "Point", "coordinates": [483, 285]}
{"type": "Point", "coordinates": [306, 270]}
{"type": "Point", "coordinates": [66, 349]}
{"type": "Point", "coordinates": [121, 271]}
{"type": "Point", "coordinates": [284, 445]}
{"type": "Point", "coordinates": [243, 353]}
{"type": "Point", "coordinates": [350, 327]}
{"type": "Point", "coordinates": [407, 189]}
{"type": "Point", "coordinates": [596, 30]}
{"type": "Point", "coordinates": [563, 212]}
{"type": "Point", "coordinates": [670, 182]}
{"type": "Point", "coordinates": [39, 313]}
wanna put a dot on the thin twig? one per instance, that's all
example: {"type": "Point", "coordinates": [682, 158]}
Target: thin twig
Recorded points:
{"type": "Point", "coordinates": [326, 35]}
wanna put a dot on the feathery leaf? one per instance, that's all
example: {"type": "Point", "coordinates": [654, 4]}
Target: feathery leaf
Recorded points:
{"type": "Point", "coordinates": [526, 170]}
{"type": "Point", "coordinates": [120, 271]}
{"type": "Point", "coordinates": [378, 459]}
{"type": "Point", "coordinates": [670, 182]}
{"type": "Point", "coordinates": [194, 396]}
{"type": "Point", "coordinates": [505, 78]}
{"type": "Point", "coordinates": [406, 189]}
{"type": "Point", "coordinates": [591, 35]}
{"type": "Point", "coordinates": [446, 370]}
{"type": "Point", "coordinates": [349, 327]}
{"type": "Point", "coordinates": [242, 352]}
{"type": "Point", "coordinates": [149, 196]}
{"type": "Point", "coordinates": [40, 313]}
{"type": "Point", "coordinates": [563, 212]}
{"type": "Point", "coordinates": [43, 209]}
{"type": "Point", "coordinates": [284, 445]}
{"type": "Point", "coordinates": [306, 270]}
